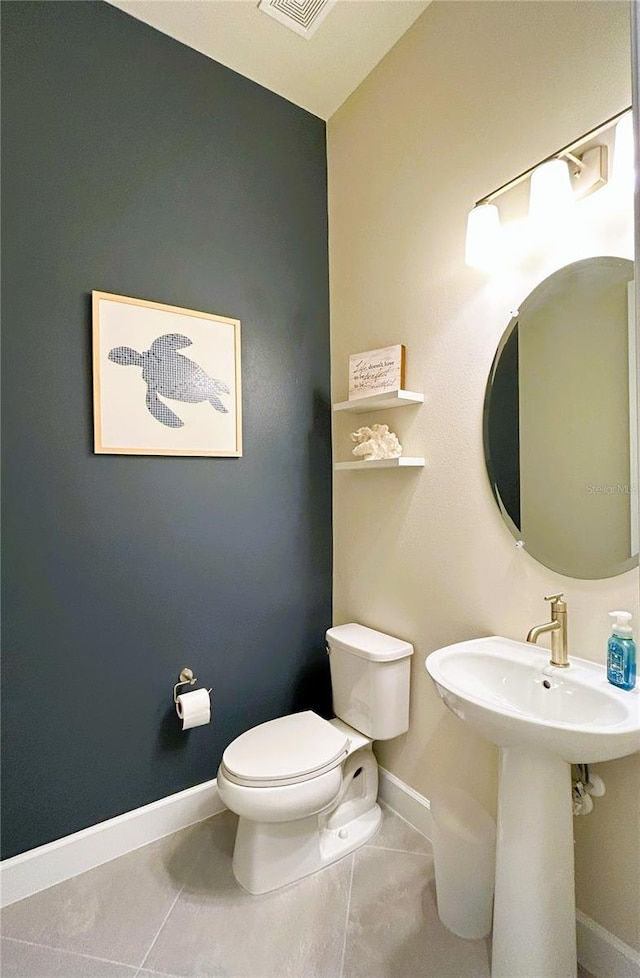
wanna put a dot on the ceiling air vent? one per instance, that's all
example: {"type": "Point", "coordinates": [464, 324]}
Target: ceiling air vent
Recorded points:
{"type": "Point", "coordinates": [302, 16]}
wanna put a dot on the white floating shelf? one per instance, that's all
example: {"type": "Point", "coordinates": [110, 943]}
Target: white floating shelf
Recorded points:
{"type": "Point", "coordinates": [403, 462]}
{"type": "Point", "coordinates": [380, 402]}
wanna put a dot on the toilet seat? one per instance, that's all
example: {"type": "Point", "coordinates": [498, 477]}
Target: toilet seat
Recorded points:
{"type": "Point", "coordinates": [285, 751]}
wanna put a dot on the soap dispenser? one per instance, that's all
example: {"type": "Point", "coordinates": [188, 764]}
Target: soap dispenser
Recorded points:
{"type": "Point", "coordinates": [621, 651]}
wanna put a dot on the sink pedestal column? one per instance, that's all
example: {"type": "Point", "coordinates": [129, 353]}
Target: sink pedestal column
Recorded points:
{"type": "Point", "coordinates": [534, 921]}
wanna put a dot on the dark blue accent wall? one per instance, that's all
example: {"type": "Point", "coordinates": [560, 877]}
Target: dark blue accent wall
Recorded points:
{"type": "Point", "coordinates": [134, 165]}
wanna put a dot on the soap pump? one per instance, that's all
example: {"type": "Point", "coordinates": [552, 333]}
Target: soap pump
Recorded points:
{"type": "Point", "coordinates": [621, 651]}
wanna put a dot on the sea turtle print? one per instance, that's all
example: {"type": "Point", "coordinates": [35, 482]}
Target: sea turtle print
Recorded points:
{"type": "Point", "coordinates": [172, 375]}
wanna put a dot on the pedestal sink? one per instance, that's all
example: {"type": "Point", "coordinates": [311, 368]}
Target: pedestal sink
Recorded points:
{"type": "Point", "coordinates": [543, 718]}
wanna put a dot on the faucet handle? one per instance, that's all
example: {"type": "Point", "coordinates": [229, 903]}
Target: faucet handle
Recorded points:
{"type": "Point", "coordinates": [556, 601]}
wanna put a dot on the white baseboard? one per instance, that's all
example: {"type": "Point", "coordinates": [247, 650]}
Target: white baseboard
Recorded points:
{"type": "Point", "coordinates": [599, 951]}
{"type": "Point", "coordinates": [602, 953]}
{"type": "Point", "coordinates": [411, 806]}
{"type": "Point", "coordinates": [37, 869]}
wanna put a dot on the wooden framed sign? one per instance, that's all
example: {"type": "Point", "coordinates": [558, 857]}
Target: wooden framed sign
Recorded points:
{"type": "Point", "coordinates": [166, 380]}
{"type": "Point", "coordinates": [376, 371]}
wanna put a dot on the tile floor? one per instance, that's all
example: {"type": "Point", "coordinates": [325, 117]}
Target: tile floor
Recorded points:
{"type": "Point", "coordinates": [174, 908]}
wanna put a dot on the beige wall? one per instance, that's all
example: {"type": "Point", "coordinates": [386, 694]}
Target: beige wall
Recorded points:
{"type": "Point", "coordinates": [473, 94]}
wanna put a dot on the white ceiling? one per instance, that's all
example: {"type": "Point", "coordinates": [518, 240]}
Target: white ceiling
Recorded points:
{"type": "Point", "coordinates": [318, 73]}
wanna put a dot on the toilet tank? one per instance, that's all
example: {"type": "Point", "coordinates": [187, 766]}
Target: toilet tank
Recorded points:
{"type": "Point", "coordinates": [370, 674]}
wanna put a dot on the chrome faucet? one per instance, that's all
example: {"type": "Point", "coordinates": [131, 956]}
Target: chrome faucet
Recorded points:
{"type": "Point", "coordinates": [558, 628]}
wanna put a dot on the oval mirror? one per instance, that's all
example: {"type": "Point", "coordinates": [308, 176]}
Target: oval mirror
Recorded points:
{"type": "Point", "coordinates": [560, 420]}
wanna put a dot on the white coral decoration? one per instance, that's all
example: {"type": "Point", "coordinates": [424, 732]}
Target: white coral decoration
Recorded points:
{"type": "Point", "coordinates": [376, 442]}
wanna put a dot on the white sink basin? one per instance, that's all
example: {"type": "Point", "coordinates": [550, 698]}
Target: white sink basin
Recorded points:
{"type": "Point", "coordinates": [508, 691]}
{"type": "Point", "coordinates": [543, 719]}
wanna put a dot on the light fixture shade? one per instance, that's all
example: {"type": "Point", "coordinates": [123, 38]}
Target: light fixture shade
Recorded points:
{"type": "Point", "coordinates": [551, 195]}
{"type": "Point", "coordinates": [484, 237]}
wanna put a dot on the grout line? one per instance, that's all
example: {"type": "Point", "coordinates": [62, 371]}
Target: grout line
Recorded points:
{"type": "Point", "coordinates": [346, 920]}
{"type": "Point", "coordinates": [407, 852]}
{"type": "Point", "coordinates": [385, 804]}
{"type": "Point", "coordinates": [191, 864]}
{"type": "Point", "coordinates": [411, 852]}
{"type": "Point", "coordinates": [150, 949]}
{"type": "Point", "coordinates": [75, 954]}
{"type": "Point", "coordinates": [160, 974]}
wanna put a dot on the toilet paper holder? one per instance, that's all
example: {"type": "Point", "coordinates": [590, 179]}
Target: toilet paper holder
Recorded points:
{"type": "Point", "coordinates": [186, 679]}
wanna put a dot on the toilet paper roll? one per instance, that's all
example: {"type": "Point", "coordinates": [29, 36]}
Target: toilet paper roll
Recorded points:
{"type": "Point", "coordinates": [194, 709]}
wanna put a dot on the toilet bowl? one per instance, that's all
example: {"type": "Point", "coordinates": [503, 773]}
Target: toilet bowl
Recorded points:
{"type": "Point", "coordinates": [294, 821]}
{"type": "Point", "coordinates": [305, 788]}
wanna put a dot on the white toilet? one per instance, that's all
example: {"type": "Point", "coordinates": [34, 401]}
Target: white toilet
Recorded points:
{"type": "Point", "coordinates": [306, 788]}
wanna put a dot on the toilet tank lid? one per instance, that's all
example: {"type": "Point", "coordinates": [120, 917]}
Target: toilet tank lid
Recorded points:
{"type": "Point", "coordinates": [368, 643]}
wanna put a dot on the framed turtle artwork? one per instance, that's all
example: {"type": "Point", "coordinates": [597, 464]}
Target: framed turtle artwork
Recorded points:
{"type": "Point", "coordinates": [166, 380]}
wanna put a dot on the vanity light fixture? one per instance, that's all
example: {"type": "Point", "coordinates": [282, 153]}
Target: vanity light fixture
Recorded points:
{"type": "Point", "coordinates": [484, 237]}
{"type": "Point", "coordinates": [574, 171]}
{"type": "Point", "coordinates": [550, 191]}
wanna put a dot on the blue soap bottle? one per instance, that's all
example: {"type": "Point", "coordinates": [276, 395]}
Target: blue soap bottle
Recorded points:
{"type": "Point", "coordinates": [621, 651]}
